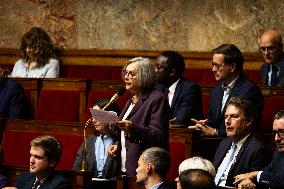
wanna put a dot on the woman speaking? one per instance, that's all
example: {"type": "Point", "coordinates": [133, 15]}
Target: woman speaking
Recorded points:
{"type": "Point", "coordinates": [145, 117]}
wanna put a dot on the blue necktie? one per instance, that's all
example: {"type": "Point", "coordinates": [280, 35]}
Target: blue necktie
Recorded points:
{"type": "Point", "coordinates": [225, 163]}
{"type": "Point", "coordinates": [274, 78]}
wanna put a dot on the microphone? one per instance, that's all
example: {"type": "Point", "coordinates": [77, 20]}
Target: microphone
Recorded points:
{"type": "Point", "coordinates": [120, 91]}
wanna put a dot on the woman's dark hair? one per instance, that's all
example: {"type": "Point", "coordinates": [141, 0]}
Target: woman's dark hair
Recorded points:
{"type": "Point", "coordinates": [41, 44]}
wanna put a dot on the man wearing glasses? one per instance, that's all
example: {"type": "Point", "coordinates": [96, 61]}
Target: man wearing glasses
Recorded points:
{"type": "Point", "coordinates": [227, 66]}
{"type": "Point", "coordinates": [271, 46]}
{"type": "Point", "coordinates": [271, 176]}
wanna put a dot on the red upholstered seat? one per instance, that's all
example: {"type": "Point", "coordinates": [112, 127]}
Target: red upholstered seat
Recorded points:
{"type": "Point", "coordinates": [253, 75]}
{"type": "Point", "coordinates": [90, 72]}
{"type": "Point", "coordinates": [116, 73]}
{"type": "Point", "coordinates": [58, 105]}
{"type": "Point", "coordinates": [177, 154]}
{"type": "Point", "coordinates": [194, 75]}
{"type": "Point", "coordinates": [16, 148]}
{"type": "Point", "coordinates": [272, 105]}
{"type": "Point", "coordinates": [208, 77]}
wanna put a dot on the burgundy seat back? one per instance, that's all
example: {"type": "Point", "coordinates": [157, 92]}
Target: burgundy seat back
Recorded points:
{"type": "Point", "coordinates": [90, 72]}
{"type": "Point", "coordinates": [16, 148]}
{"type": "Point", "coordinates": [58, 105]}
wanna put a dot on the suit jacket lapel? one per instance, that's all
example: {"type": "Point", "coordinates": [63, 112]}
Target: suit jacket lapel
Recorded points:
{"type": "Point", "coordinates": [223, 153]}
{"type": "Point", "coordinates": [218, 101]}
{"type": "Point", "coordinates": [144, 96]}
{"type": "Point", "coordinates": [177, 92]}
{"type": "Point", "coordinates": [241, 151]}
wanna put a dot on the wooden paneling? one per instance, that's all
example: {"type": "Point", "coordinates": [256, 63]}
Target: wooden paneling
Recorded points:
{"type": "Point", "coordinates": [96, 57]}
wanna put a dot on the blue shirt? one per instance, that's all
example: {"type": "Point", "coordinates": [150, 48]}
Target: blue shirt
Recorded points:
{"type": "Point", "coordinates": [101, 146]}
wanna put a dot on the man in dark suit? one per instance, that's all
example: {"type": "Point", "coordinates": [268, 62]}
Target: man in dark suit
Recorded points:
{"type": "Point", "coordinates": [241, 151]}
{"type": "Point", "coordinates": [44, 156]}
{"type": "Point", "coordinates": [272, 176]}
{"type": "Point", "coordinates": [227, 66]}
{"type": "Point", "coordinates": [12, 97]}
{"type": "Point", "coordinates": [271, 47]}
{"type": "Point", "coordinates": [152, 169]}
{"type": "Point", "coordinates": [184, 96]}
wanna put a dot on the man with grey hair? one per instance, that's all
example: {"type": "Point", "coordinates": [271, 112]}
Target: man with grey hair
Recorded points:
{"type": "Point", "coordinates": [272, 175]}
{"type": "Point", "coordinates": [152, 169]}
{"type": "Point", "coordinates": [197, 163]}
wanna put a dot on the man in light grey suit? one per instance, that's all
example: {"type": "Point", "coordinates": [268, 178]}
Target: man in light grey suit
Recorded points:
{"type": "Point", "coordinates": [271, 47]}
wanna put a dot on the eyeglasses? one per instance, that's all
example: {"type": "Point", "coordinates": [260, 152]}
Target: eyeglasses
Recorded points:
{"type": "Point", "coordinates": [279, 133]}
{"type": "Point", "coordinates": [218, 66]}
{"type": "Point", "coordinates": [268, 49]}
{"type": "Point", "coordinates": [129, 74]}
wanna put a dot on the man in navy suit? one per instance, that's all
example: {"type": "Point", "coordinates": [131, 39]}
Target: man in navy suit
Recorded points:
{"type": "Point", "coordinates": [227, 66]}
{"type": "Point", "coordinates": [272, 176]}
{"type": "Point", "coordinates": [44, 155]}
{"type": "Point", "coordinates": [12, 97]}
{"type": "Point", "coordinates": [271, 47]}
{"type": "Point", "coordinates": [241, 151]}
{"type": "Point", "coordinates": [152, 169]}
{"type": "Point", "coordinates": [184, 96]}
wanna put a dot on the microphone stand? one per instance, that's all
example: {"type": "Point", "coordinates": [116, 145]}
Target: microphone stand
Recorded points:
{"type": "Point", "coordinates": [84, 166]}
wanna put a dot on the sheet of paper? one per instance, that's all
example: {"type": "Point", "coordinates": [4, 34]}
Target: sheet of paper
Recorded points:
{"type": "Point", "coordinates": [104, 116]}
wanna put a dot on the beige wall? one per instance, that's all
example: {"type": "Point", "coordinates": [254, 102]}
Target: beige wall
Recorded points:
{"type": "Point", "coordinates": [183, 25]}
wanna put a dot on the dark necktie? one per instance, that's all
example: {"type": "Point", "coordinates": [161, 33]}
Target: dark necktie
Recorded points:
{"type": "Point", "coordinates": [274, 78]}
{"type": "Point", "coordinates": [36, 184]}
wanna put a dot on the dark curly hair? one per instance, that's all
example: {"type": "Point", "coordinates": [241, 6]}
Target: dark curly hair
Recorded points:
{"type": "Point", "coordinates": [41, 43]}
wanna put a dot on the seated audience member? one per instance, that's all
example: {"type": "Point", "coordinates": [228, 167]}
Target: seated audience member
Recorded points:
{"type": "Point", "coordinates": [12, 97]}
{"type": "Point", "coordinates": [99, 163]}
{"type": "Point", "coordinates": [271, 46]}
{"type": "Point", "coordinates": [37, 59]}
{"type": "Point", "coordinates": [44, 155]}
{"type": "Point", "coordinates": [196, 179]}
{"type": "Point", "coordinates": [241, 151]}
{"type": "Point", "coordinates": [145, 117]}
{"type": "Point", "coordinates": [195, 163]}
{"type": "Point", "coordinates": [153, 166]}
{"type": "Point", "coordinates": [227, 66]}
{"type": "Point", "coordinates": [272, 176]}
{"type": "Point", "coordinates": [184, 96]}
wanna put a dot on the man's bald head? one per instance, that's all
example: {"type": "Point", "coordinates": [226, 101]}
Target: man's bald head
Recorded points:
{"type": "Point", "coordinates": [270, 45]}
{"type": "Point", "coordinates": [272, 35]}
